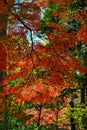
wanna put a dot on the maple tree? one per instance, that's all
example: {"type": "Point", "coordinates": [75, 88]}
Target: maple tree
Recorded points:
{"type": "Point", "coordinates": [39, 72]}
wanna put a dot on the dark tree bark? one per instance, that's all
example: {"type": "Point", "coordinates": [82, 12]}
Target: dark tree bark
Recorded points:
{"type": "Point", "coordinates": [84, 100]}
{"type": "Point", "coordinates": [39, 116]}
{"type": "Point", "coordinates": [72, 120]}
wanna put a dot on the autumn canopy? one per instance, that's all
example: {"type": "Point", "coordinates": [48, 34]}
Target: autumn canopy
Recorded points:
{"type": "Point", "coordinates": [38, 65]}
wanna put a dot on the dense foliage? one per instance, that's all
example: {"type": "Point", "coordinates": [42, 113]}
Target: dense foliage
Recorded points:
{"type": "Point", "coordinates": [43, 64]}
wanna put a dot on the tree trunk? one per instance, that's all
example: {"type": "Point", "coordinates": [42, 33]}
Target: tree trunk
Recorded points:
{"type": "Point", "coordinates": [83, 95]}
{"type": "Point", "coordinates": [83, 100]}
{"type": "Point", "coordinates": [72, 120]}
{"type": "Point", "coordinates": [39, 116]}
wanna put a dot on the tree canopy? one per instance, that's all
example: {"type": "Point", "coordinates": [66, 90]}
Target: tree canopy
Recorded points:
{"type": "Point", "coordinates": [39, 57]}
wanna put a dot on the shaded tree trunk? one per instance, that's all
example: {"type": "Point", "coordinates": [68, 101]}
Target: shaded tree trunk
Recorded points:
{"type": "Point", "coordinates": [72, 120]}
{"type": "Point", "coordinates": [83, 95]}
{"type": "Point", "coordinates": [84, 100]}
{"type": "Point", "coordinates": [39, 116]}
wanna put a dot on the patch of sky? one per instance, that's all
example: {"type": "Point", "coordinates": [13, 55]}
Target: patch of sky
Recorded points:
{"type": "Point", "coordinates": [37, 38]}
{"type": "Point", "coordinates": [18, 1]}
